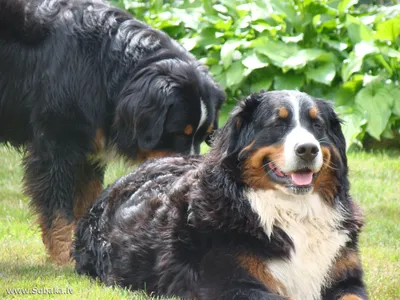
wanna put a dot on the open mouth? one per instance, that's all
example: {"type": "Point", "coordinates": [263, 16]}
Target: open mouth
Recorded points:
{"type": "Point", "coordinates": [299, 181]}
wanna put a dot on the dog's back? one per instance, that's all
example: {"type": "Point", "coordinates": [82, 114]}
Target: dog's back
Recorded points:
{"type": "Point", "coordinates": [17, 21]}
{"type": "Point", "coordinates": [129, 200]}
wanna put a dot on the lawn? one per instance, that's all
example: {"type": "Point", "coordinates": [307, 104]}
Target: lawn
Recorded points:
{"type": "Point", "coordinates": [23, 265]}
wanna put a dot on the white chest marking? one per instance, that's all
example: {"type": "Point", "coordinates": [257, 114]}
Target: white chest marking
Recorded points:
{"type": "Point", "coordinates": [203, 118]}
{"type": "Point", "coordinates": [311, 224]}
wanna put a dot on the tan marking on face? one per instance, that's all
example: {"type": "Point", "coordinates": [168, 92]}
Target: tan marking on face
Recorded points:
{"type": "Point", "coordinates": [210, 128]}
{"type": "Point", "coordinates": [188, 129]}
{"type": "Point", "coordinates": [256, 268]}
{"type": "Point", "coordinates": [254, 171]}
{"type": "Point", "coordinates": [313, 112]}
{"type": "Point", "coordinates": [283, 112]}
{"type": "Point", "coordinates": [326, 181]}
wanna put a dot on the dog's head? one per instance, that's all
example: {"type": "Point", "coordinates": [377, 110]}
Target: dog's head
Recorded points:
{"type": "Point", "coordinates": [285, 140]}
{"type": "Point", "coordinates": [169, 106]}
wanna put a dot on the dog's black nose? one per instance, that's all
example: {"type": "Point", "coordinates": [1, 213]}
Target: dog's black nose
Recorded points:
{"type": "Point", "coordinates": [307, 152]}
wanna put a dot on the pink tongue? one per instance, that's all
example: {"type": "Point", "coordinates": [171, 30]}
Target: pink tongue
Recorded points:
{"type": "Point", "coordinates": [302, 178]}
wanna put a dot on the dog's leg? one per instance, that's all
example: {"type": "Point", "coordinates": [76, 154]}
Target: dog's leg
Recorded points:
{"type": "Point", "coordinates": [233, 276]}
{"type": "Point", "coordinates": [347, 278]}
{"type": "Point", "coordinates": [88, 187]}
{"type": "Point", "coordinates": [50, 180]}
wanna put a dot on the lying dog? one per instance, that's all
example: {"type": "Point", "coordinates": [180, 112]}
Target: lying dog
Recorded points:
{"type": "Point", "coordinates": [79, 79]}
{"type": "Point", "coordinates": [266, 214]}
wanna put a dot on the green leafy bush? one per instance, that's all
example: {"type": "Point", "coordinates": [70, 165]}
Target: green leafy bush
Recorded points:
{"type": "Point", "coordinates": [335, 49]}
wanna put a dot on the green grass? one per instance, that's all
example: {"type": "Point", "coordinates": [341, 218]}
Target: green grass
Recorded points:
{"type": "Point", "coordinates": [23, 264]}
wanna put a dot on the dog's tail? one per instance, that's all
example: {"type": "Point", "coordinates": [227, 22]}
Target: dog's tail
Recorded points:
{"type": "Point", "coordinates": [17, 21]}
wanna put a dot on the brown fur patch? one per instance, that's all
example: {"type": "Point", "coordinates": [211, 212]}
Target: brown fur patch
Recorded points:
{"type": "Point", "coordinates": [283, 112]}
{"type": "Point", "coordinates": [259, 271]}
{"type": "Point", "coordinates": [210, 128]}
{"type": "Point", "coordinates": [326, 183]}
{"type": "Point", "coordinates": [57, 238]}
{"type": "Point", "coordinates": [313, 112]}
{"type": "Point", "coordinates": [149, 154]}
{"type": "Point", "coordinates": [238, 123]}
{"type": "Point", "coordinates": [348, 260]}
{"type": "Point", "coordinates": [188, 129]}
{"type": "Point", "coordinates": [99, 140]}
{"type": "Point", "coordinates": [350, 297]}
{"type": "Point", "coordinates": [85, 196]}
{"type": "Point", "coordinates": [254, 172]}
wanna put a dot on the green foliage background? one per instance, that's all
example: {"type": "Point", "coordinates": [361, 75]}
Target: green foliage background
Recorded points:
{"type": "Point", "coordinates": [340, 50]}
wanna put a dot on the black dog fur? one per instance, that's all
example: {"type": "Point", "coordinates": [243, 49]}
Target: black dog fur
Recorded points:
{"type": "Point", "coordinates": [80, 78]}
{"type": "Point", "coordinates": [187, 226]}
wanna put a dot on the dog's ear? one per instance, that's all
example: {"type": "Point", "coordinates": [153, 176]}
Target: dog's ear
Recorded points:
{"type": "Point", "coordinates": [218, 97]}
{"type": "Point", "coordinates": [336, 136]}
{"type": "Point", "coordinates": [238, 131]}
{"type": "Point", "coordinates": [334, 123]}
{"type": "Point", "coordinates": [142, 110]}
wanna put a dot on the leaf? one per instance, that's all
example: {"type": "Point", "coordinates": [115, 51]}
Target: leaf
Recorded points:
{"type": "Point", "coordinates": [351, 127]}
{"type": "Point", "coordinates": [347, 92]}
{"type": "Point", "coordinates": [357, 31]}
{"type": "Point", "coordinates": [388, 30]}
{"type": "Point", "coordinates": [354, 63]}
{"type": "Point", "coordinates": [389, 52]}
{"type": "Point", "coordinates": [288, 9]}
{"type": "Point", "coordinates": [254, 61]}
{"type": "Point", "coordinates": [344, 5]}
{"type": "Point", "coordinates": [288, 81]}
{"type": "Point", "coordinates": [188, 43]}
{"type": "Point", "coordinates": [261, 84]}
{"type": "Point", "coordinates": [323, 74]}
{"type": "Point", "coordinates": [376, 100]}
{"type": "Point", "coordinates": [301, 58]}
{"type": "Point", "coordinates": [227, 51]}
{"type": "Point", "coordinates": [293, 39]}
{"type": "Point", "coordinates": [277, 52]}
{"type": "Point", "coordinates": [394, 90]}
{"type": "Point", "coordinates": [350, 66]}
{"type": "Point", "coordinates": [340, 46]}
{"type": "Point", "coordinates": [364, 48]}
{"type": "Point", "coordinates": [325, 22]}
{"type": "Point", "coordinates": [206, 37]}
{"type": "Point", "coordinates": [216, 70]}
{"type": "Point", "coordinates": [235, 73]}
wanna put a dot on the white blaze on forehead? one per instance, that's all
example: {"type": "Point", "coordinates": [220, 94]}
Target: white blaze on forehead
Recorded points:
{"type": "Point", "coordinates": [298, 136]}
{"type": "Point", "coordinates": [203, 119]}
{"type": "Point", "coordinates": [295, 103]}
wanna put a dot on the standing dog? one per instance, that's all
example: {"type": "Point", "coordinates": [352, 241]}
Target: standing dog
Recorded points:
{"type": "Point", "coordinates": [80, 79]}
{"type": "Point", "coordinates": [266, 214]}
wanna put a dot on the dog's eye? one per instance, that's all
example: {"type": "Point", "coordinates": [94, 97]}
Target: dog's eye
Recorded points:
{"type": "Point", "coordinates": [280, 124]}
{"type": "Point", "coordinates": [317, 125]}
